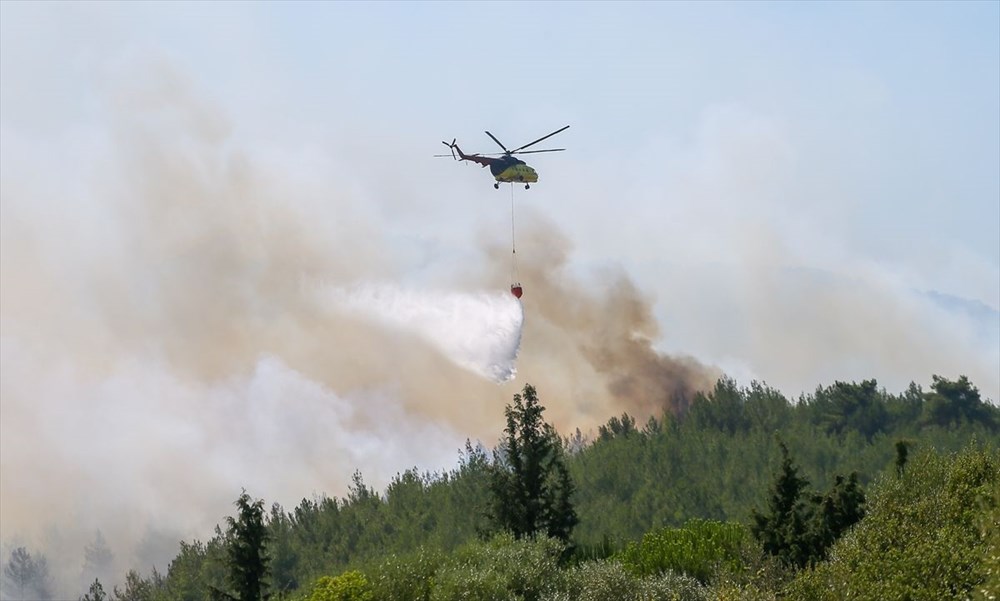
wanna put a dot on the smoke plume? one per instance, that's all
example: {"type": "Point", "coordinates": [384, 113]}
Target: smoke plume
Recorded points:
{"type": "Point", "coordinates": [591, 338]}
{"type": "Point", "coordinates": [184, 317]}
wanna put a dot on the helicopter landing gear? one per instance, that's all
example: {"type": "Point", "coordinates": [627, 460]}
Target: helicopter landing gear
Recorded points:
{"type": "Point", "coordinates": [496, 186]}
{"type": "Point", "coordinates": [527, 186]}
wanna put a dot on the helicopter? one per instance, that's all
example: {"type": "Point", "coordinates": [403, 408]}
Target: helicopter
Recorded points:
{"type": "Point", "coordinates": [506, 168]}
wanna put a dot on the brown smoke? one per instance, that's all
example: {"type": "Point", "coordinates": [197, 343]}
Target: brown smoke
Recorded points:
{"type": "Point", "coordinates": [589, 339]}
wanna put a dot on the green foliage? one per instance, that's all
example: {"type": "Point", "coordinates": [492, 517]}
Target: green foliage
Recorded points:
{"type": "Point", "coordinates": [799, 530]}
{"type": "Point", "coordinates": [530, 484]}
{"type": "Point", "coordinates": [136, 588]}
{"type": "Point", "coordinates": [850, 407]}
{"type": "Point", "coordinates": [593, 552]}
{"type": "Point", "coordinates": [284, 554]}
{"type": "Point", "coordinates": [671, 586]}
{"type": "Point", "coordinates": [597, 581]}
{"type": "Point", "coordinates": [902, 451]}
{"type": "Point", "coordinates": [95, 592]}
{"type": "Point", "coordinates": [714, 463]}
{"type": "Point", "coordinates": [989, 525]}
{"type": "Point", "coordinates": [609, 579]}
{"type": "Point", "coordinates": [783, 529]}
{"type": "Point", "coordinates": [732, 591]}
{"type": "Point", "coordinates": [501, 568]}
{"type": "Point", "coordinates": [723, 409]}
{"type": "Point", "coordinates": [246, 551]}
{"type": "Point", "coordinates": [835, 512]}
{"type": "Point", "coordinates": [706, 465]}
{"type": "Point", "coordinates": [406, 578]}
{"type": "Point", "coordinates": [955, 402]}
{"type": "Point", "coordinates": [197, 569]}
{"type": "Point", "coordinates": [324, 536]}
{"type": "Point", "coordinates": [922, 537]}
{"type": "Point", "coordinates": [349, 586]}
{"type": "Point", "coordinates": [758, 575]}
{"type": "Point", "coordinates": [699, 549]}
{"type": "Point", "coordinates": [624, 426]}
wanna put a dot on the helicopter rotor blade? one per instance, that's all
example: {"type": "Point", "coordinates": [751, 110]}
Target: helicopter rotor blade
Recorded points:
{"type": "Point", "coordinates": [536, 141]}
{"type": "Point", "coordinates": [531, 151]}
{"type": "Point", "coordinates": [498, 142]}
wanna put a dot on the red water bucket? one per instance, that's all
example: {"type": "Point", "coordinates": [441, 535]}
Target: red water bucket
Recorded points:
{"type": "Point", "coordinates": [516, 290]}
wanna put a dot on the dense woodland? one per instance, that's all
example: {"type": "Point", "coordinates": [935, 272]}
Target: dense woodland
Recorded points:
{"type": "Point", "coordinates": [846, 492]}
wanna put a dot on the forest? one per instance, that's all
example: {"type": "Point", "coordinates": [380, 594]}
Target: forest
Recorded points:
{"type": "Point", "coordinates": [847, 492]}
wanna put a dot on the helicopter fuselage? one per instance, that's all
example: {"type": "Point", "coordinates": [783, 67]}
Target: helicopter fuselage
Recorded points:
{"type": "Point", "coordinates": [509, 169]}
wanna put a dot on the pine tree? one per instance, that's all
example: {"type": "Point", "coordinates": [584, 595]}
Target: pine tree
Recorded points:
{"type": "Point", "coordinates": [530, 484]}
{"type": "Point", "coordinates": [284, 555]}
{"type": "Point", "coordinates": [247, 557]}
{"type": "Point", "coordinates": [954, 402]}
{"type": "Point", "coordinates": [562, 517]}
{"type": "Point", "coordinates": [800, 527]}
{"type": "Point", "coordinates": [28, 574]}
{"type": "Point", "coordinates": [95, 593]}
{"type": "Point", "coordinates": [902, 450]}
{"type": "Point", "coordinates": [848, 501]}
{"type": "Point", "coordinates": [136, 588]}
{"type": "Point", "coordinates": [782, 531]}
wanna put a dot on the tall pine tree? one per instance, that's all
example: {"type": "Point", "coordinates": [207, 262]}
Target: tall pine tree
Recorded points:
{"type": "Point", "coordinates": [799, 528]}
{"type": "Point", "coordinates": [530, 485]}
{"type": "Point", "coordinates": [29, 575]}
{"type": "Point", "coordinates": [247, 539]}
{"type": "Point", "coordinates": [782, 531]}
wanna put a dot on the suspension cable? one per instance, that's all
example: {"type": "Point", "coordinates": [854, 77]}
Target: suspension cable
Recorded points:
{"type": "Point", "coordinates": [513, 241]}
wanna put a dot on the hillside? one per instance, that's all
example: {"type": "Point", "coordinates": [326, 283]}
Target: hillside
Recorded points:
{"type": "Point", "coordinates": [716, 462]}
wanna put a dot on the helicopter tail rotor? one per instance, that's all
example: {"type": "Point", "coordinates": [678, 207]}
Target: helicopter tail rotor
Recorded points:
{"type": "Point", "coordinates": [451, 147]}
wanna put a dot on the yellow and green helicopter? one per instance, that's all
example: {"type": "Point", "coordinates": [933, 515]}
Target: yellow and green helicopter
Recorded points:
{"type": "Point", "coordinates": [505, 168]}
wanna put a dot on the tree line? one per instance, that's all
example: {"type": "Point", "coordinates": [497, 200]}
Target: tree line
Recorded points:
{"type": "Point", "coordinates": [662, 506]}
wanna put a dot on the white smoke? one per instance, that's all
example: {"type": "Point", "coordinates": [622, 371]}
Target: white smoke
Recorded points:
{"type": "Point", "coordinates": [133, 448]}
{"type": "Point", "coordinates": [480, 332]}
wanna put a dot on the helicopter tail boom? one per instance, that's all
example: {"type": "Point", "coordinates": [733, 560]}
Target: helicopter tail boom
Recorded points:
{"type": "Point", "coordinates": [475, 158]}
{"type": "Point", "coordinates": [453, 146]}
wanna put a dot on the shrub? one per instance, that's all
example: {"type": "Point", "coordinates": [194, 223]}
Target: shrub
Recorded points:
{"type": "Point", "coordinates": [609, 579]}
{"type": "Point", "coordinates": [502, 568]}
{"type": "Point", "coordinates": [701, 548]}
{"type": "Point", "coordinates": [598, 581]}
{"type": "Point", "coordinates": [349, 586]}
{"type": "Point", "coordinates": [734, 591]}
{"type": "Point", "coordinates": [671, 586]}
{"type": "Point", "coordinates": [922, 538]}
{"type": "Point", "coordinates": [406, 578]}
{"type": "Point", "coordinates": [989, 523]}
